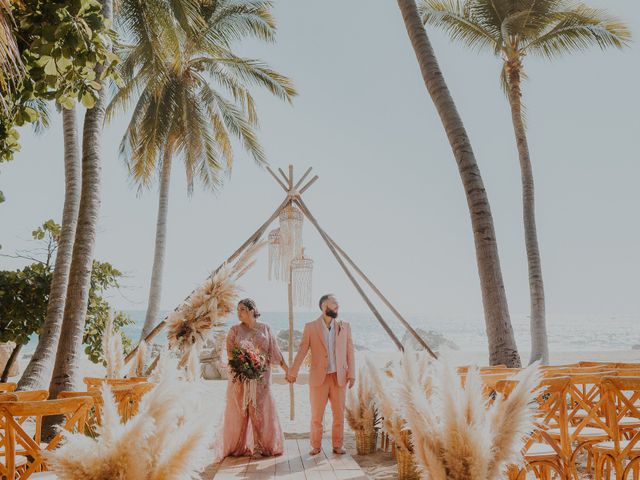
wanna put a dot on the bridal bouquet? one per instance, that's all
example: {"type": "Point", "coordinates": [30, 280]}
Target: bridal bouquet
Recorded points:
{"type": "Point", "coordinates": [247, 364]}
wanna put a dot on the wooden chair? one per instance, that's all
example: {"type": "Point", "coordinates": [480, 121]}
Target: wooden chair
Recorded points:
{"type": "Point", "coordinates": [20, 396]}
{"type": "Point", "coordinates": [94, 415]}
{"type": "Point", "coordinates": [97, 382]}
{"type": "Point", "coordinates": [543, 454]}
{"type": "Point", "coordinates": [7, 387]}
{"type": "Point", "coordinates": [30, 395]}
{"type": "Point", "coordinates": [610, 364]}
{"type": "Point", "coordinates": [623, 394]}
{"type": "Point", "coordinates": [127, 396]}
{"type": "Point", "coordinates": [24, 450]}
{"type": "Point", "coordinates": [585, 415]}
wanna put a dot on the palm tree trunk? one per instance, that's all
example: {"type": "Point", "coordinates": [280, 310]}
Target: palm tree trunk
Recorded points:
{"type": "Point", "coordinates": [10, 362]}
{"type": "Point", "coordinates": [155, 290]}
{"type": "Point", "coordinates": [502, 345]}
{"type": "Point", "coordinates": [539, 343]}
{"type": "Point", "coordinates": [69, 355]}
{"type": "Point", "coordinates": [37, 375]}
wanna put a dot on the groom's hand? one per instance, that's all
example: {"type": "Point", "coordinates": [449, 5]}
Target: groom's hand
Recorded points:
{"type": "Point", "coordinates": [351, 382]}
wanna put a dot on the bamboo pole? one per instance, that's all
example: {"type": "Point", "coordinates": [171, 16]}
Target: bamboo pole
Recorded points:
{"type": "Point", "coordinates": [302, 178]}
{"type": "Point", "coordinates": [292, 411]}
{"type": "Point", "coordinates": [275, 177]}
{"type": "Point", "coordinates": [311, 182]}
{"type": "Point", "coordinates": [355, 283]}
{"type": "Point", "coordinates": [250, 241]}
{"type": "Point", "coordinates": [284, 175]}
{"type": "Point", "coordinates": [402, 320]}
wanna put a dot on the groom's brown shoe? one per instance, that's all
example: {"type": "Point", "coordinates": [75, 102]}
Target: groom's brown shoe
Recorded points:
{"type": "Point", "coordinates": [339, 451]}
{"type": "Point", "coordinates": [314, 451]}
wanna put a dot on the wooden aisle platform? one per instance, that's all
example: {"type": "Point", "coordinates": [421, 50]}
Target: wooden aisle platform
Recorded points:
{"type": "Point", "coordinates": [295, 463]}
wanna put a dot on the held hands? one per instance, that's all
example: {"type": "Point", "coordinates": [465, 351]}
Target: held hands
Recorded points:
{"type": "Point", "coordinates": [290, 378]}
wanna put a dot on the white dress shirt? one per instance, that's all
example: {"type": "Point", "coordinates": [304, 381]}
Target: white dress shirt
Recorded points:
{"type": "Point", "coordinates": [329, 338]}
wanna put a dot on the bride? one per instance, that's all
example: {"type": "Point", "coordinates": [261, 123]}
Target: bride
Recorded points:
{"type": "Point", "coordinates": [251, 423]}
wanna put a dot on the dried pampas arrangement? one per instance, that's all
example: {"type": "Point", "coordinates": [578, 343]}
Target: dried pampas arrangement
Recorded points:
{"type": "Point", "coordinates": [362, 414]}
{"type": "Point", "coordinates": [456, 435]}
{"type": "Point", "coordinates": [167, 438]}
{"type": "Point", "coordinates": [138, 363]}
{"type": "Point", "coordinates": [387, 397]}
{"type": "Point", "coordinates": [361, 409]}
{"type": "Point", "coordinates": [189, 326]}
{"type": "Point", "coordinates": [112, 350]}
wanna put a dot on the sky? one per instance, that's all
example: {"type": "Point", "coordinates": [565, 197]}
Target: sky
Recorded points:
{"type": "Point", "coordinates": [389, 191]}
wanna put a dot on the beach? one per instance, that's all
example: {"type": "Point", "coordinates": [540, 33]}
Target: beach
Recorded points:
{"type": "Point", "coordinates": [380, 465]}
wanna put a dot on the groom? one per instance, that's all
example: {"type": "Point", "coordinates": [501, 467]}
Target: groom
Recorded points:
{"type": "Point", "coordinates": [332, 369]}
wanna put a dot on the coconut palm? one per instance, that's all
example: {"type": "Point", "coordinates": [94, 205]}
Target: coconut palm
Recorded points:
{"type": "Point", "coordinates": [192, 96]}
{"type": "Point", "coordinates": [37, 374]}
{"type": "Point", "coordinates": [69, 352]}
{"type": "Point", "coordinates": [511, 30]}
{"type": "Point", "coordinates": [502, 344]}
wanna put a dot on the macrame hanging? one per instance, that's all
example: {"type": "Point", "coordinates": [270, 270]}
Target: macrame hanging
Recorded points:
{"type": "Point", "coordinates": [275, 265]}
{"type": "Point", "coordinates": [290, 238]}
{"type": "Point", "coordinates": [301, 280]}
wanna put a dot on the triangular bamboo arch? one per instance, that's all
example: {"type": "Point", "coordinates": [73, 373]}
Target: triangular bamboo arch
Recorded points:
{"type": "Point", "coordinates": [294, 193]}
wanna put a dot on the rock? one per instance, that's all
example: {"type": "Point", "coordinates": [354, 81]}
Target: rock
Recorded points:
{"type": "Point", "coordinates": [283, 340]}
{"type": "Point", "coordinates": [434, 339]}
{"type": "Point", "coordinates": [5, 353]}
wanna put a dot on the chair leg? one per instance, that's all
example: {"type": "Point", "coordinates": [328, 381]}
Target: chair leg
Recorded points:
{"type": "Point", "coordinates": [598, 460]}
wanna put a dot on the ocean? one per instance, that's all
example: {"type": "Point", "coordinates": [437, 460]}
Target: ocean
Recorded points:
{"type": "Point", "coordinates": [566, 332]}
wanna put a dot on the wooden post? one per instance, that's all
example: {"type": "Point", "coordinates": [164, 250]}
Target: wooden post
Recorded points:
{"type": "Point", "coordinates": [355, 283]}
{"type": "Point", "coordinates": [292, 410]}
{"type": "Point", "coordinates": [250, 241]}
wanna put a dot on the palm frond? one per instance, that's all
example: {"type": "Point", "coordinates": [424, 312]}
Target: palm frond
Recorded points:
{"type": "Point", "coordinates": [578, 29]}
{"type": "Point", "coordinates": [255, 72]}
{"type": "Point", "coordinates": [232, 21]}
{"type": "Point", "coordinates": [234, 120]}
{"type": "Point", "coordinates": [455, 18]}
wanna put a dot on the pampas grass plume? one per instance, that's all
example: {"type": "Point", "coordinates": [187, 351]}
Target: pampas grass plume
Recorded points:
{"type": "Point", "coordinates": [456, 435]}
{"type": "Point", "coordinates": [166, 439]}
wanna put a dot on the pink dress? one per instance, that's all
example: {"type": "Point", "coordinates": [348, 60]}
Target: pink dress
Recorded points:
{"type": "Point", "coordinates": [256, 428]}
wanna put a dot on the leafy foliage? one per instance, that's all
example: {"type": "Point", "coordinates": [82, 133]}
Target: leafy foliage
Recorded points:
{"type": "Point", "coordinates": [60, 43]}
{"type": "Point", "coordinates": [24, 295]}
{"type": "Point", "coordinates": [23, 302]}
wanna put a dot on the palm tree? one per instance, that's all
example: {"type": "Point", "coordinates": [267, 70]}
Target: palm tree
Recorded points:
{"type": "Point", "coordinates": [11, 68]}
{"type": "Point", "coordinates": [169, 74]}
{"type": "Point", "coordinates": [37, 374]}
{"type": "Point", "coordinates": [69, 351]}
{"type": "Point", "coordinates": [512, 29]}
{"type": "Point", "coordinates": [502, 345]}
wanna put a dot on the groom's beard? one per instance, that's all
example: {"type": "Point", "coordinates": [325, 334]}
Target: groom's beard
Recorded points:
{"type": "Point", "coordinates": [332, 313]}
